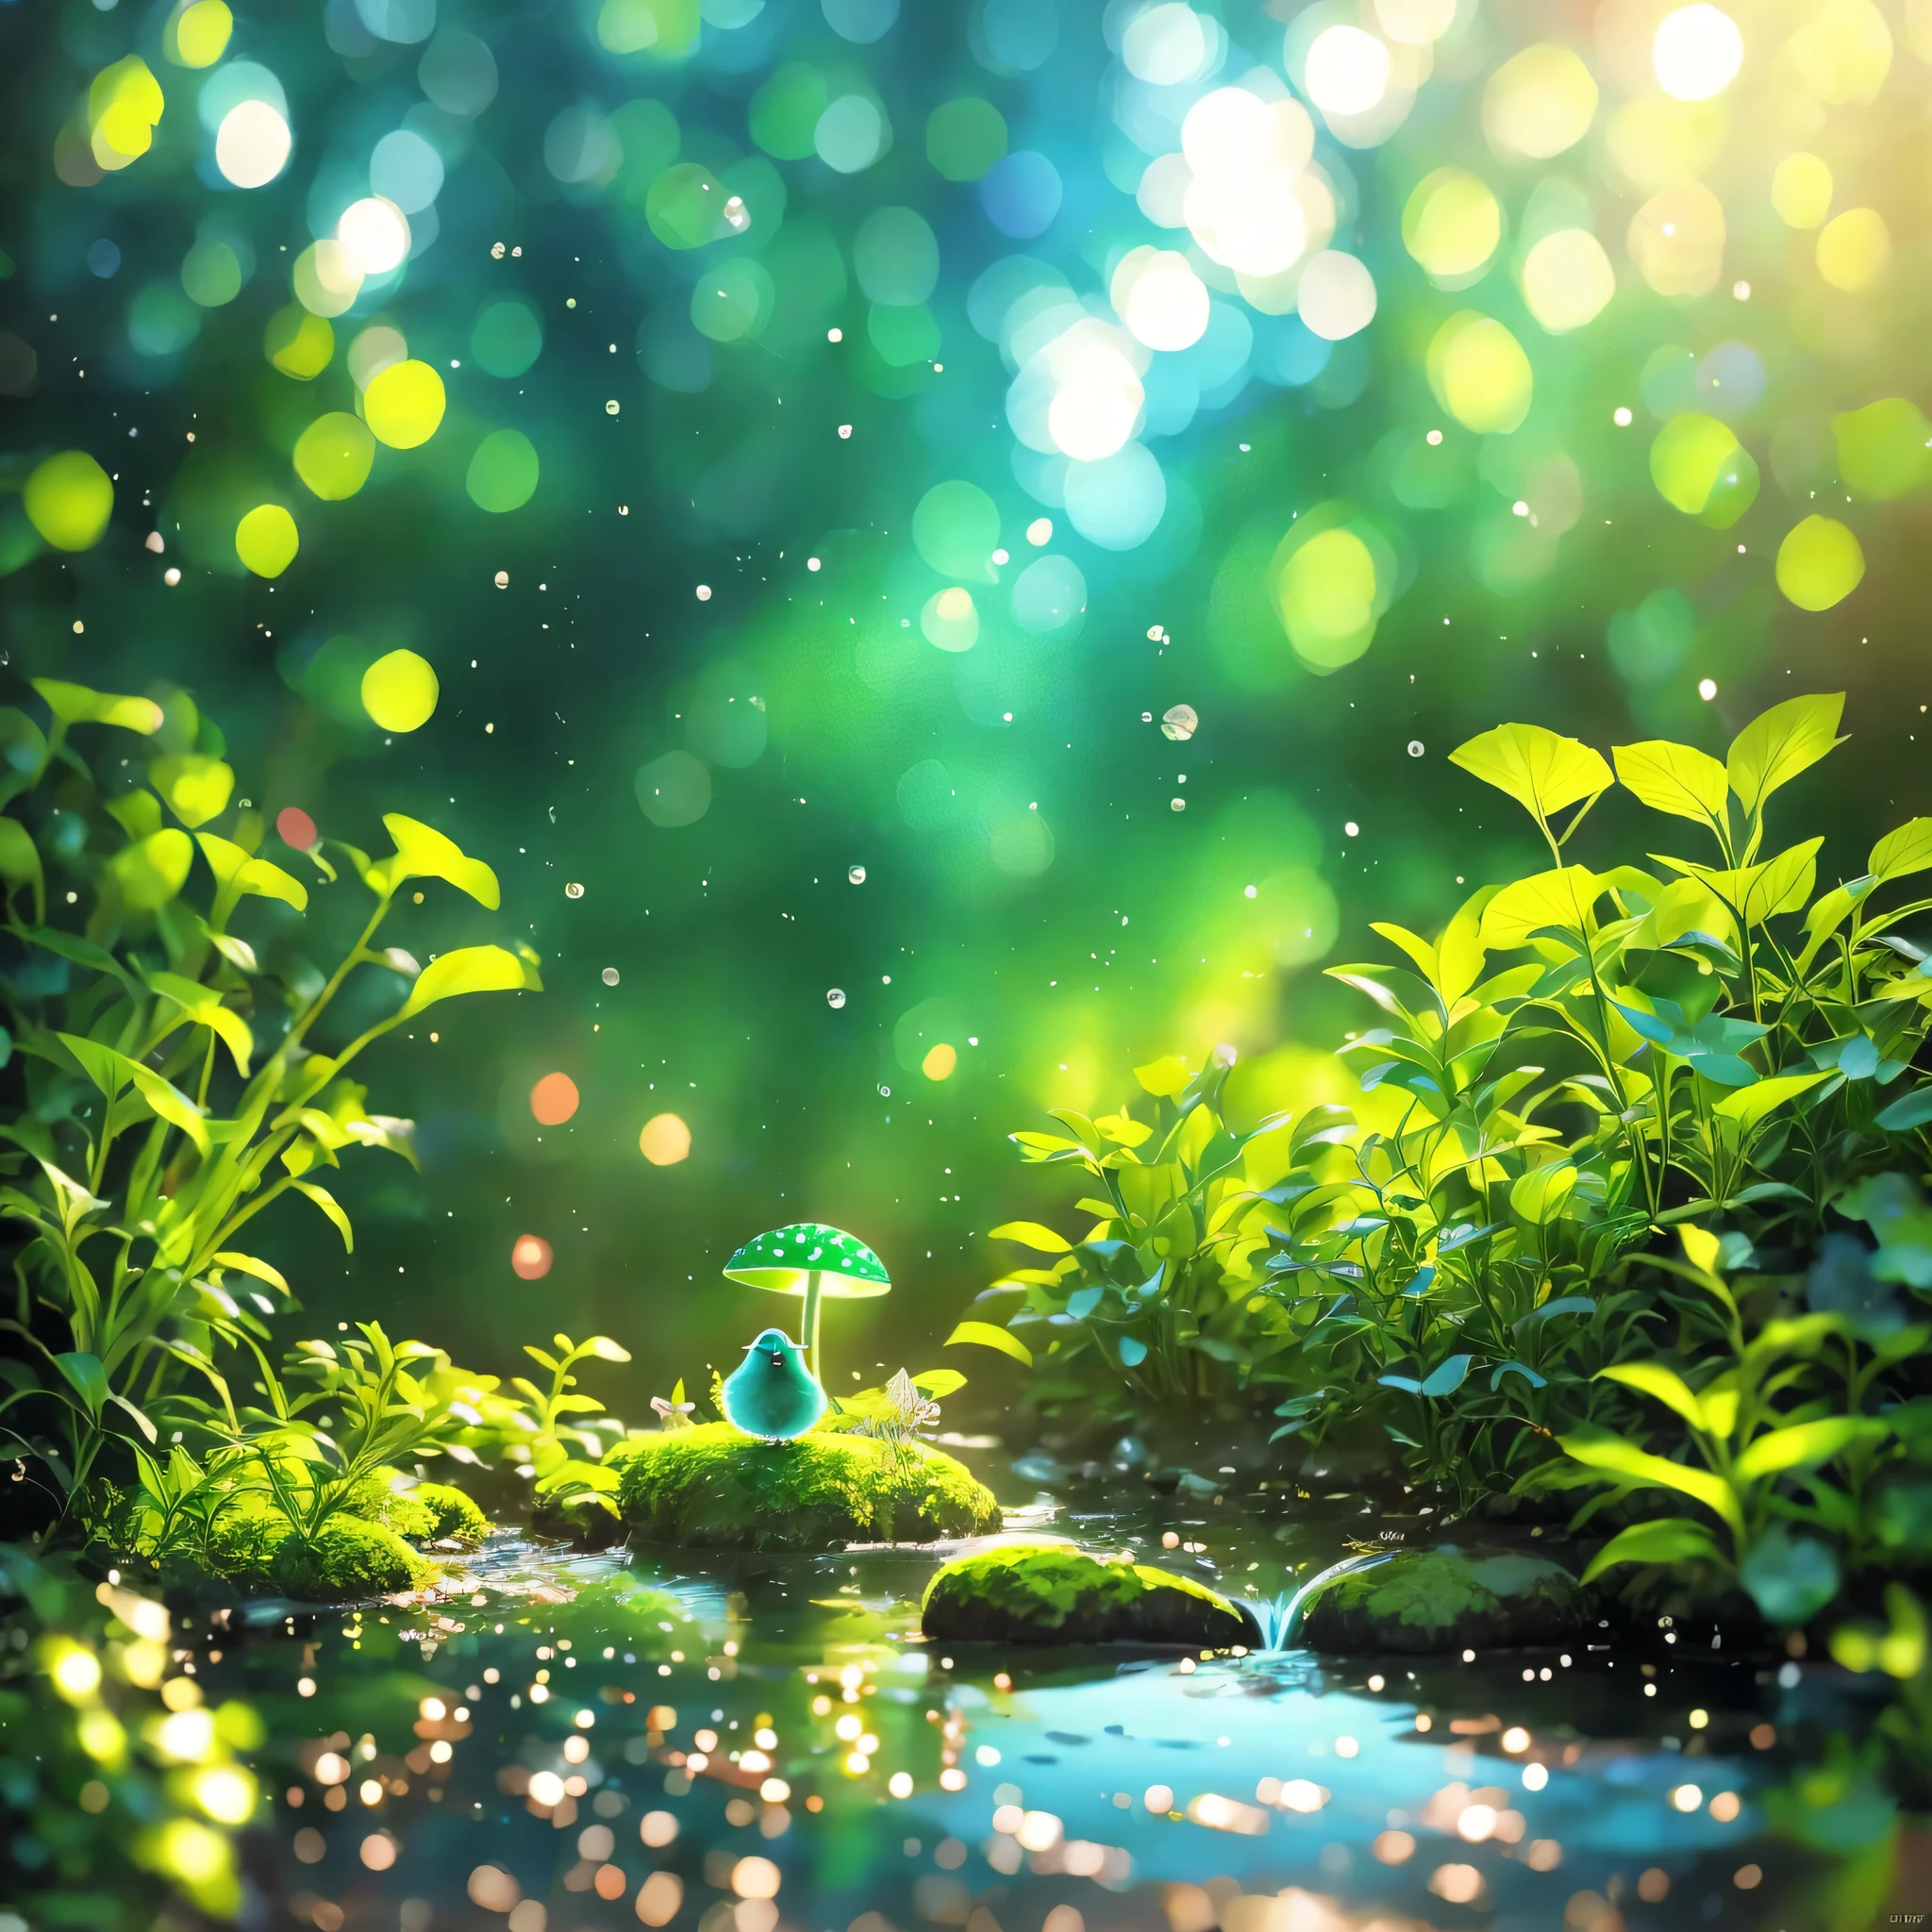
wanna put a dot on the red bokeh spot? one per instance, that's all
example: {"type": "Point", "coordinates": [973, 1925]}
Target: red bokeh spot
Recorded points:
{"type": "Point", "coordinates": [554, 1099]}
{"type": "Point", "coordinates": [531, 1256]}
{"type": "Point", "coordinates": [296, 828]}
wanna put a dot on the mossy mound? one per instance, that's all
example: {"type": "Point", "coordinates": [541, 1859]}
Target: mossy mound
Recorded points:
{"type": "Point", "coordinates": [346, 1558]}
{"type": "Point", "coordinates": [424, 1512]}
{"type": "Point", "coordinates": [1044, 1592]}
{"type": "Point", "coordinates": [1420, 1602]}
{"type": "Point", "coordinates": [710, 1488]}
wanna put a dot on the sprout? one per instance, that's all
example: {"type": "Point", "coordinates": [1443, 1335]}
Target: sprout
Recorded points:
{"type": "Point", "coordinates": [814, 1261]}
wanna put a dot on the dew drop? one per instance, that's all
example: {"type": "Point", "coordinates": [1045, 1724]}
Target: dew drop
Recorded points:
{"type": "Point", "coordinates": [836, 998]}
{"type": "Point", "coordinates": [856, 875]}
{"type": "Point", "coordinates": [573, 890]}
{"type": "Point", "coordinates": [611, 408]}
{"type": "Point", "coordinates": [1415, 747]}
{"type": "Point", "coordinates": [503, 580]}
{"type": "Point", "coordinates": [610, 975]}
{"type": "Point", "coordinates": [1180, 722]}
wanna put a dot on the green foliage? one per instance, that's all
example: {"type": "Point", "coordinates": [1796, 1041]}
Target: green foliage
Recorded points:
{"type": "Point", "coordinates": [1582, 1068]}
{"type": "Point", "coordinates": [171, 1093]}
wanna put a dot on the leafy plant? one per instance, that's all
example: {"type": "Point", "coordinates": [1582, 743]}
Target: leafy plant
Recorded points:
{"type": "Point", "coordinates": [172, 1092]}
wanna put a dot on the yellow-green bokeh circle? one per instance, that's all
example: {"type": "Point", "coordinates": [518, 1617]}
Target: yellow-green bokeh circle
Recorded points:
{"type": "Point", "coordinates": [69, 499]}
{"type": "Point", "coordinates": [266, 539]}
{"type": "Point", "coordinates": [399, 691]}
{"type": "Point", "coordinates": [334, 454]}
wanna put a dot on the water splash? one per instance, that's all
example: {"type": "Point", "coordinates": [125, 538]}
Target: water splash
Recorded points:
{"type": "Point", "coordinates": [1278, 1618]}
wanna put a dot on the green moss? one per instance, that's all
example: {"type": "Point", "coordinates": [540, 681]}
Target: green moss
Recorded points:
{"type": "Point", "coordinates": [348, 1557]}
{"type": "Point", "coordinates": [1423, 1601]}
{"type": "Point", "coordinates": [711, 1488]}
{"type": "Point", "coordinates": [1044, 1592]}
{"type": "Point", "coordinates": [424, 1512]}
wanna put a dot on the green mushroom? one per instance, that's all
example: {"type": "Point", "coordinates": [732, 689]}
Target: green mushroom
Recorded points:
{"type": "Point", "coordinates": [815, 1261]}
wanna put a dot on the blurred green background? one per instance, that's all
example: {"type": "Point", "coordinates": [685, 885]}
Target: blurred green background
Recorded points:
{"type": "Point", "coordinates": [884, 511]}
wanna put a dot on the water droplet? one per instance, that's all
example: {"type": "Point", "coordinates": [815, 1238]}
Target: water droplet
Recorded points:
{"type": "Point", "coordinates": [611, 408]}
{"type": "Point", "coordinates": [1415, 747]}
{"type": "Point", "coordinates": [503, 580]}
{"type": "Point", "coordinates": [885, 1094]}
{"type": "Point", "coordinates": [836, 998]}
{"type": "Point", "coordinates": [610, 975]}
{"type": "Point", "coordinates": [857, 874]}
{"type": "Point", "coordinates": [573, 890]}
{"type": "Point", "coordinates": [1179, 803]}
{"type": "Point", "coordinates": [1179, 723]}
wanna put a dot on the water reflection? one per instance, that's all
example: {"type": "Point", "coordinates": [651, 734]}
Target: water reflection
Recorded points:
{"type": "Point", "coordinates": [579, 1742]}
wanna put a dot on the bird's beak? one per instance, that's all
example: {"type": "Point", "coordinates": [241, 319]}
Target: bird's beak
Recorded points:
{"type": "Point", "coordinates": [778, 1359]}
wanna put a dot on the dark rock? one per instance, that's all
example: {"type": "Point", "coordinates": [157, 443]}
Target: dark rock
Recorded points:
{"type": "Point", "coordinates": [1046, 1593]}
{"type": "Point", "coordinates": [1422, 1602]}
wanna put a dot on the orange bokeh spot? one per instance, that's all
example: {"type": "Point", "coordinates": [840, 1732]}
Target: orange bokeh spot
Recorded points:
{"type": "Point", "coordinates": [554, 1099]}
{"type": "Point", "coordinates": [665, 1140]}
{"type": "Point", "coordinates": [531, 1256]}
{"type": "Point", "coordinates": [296, 828]}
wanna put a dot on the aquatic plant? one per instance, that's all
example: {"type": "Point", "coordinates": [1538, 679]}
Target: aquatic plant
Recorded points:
{"type": "Point", "coordinates": [173, 1090]}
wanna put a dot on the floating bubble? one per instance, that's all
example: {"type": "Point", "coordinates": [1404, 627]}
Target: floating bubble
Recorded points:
{"type": "Point", "coordinates": [1819, 563]}
{"type": "Point", "coordinates": [573, 889]}
{"type": "Point", "coordinates": [674, 789]}
{"type": "Point", "coordinates": [956, 528]}
{"type": "Point", "coordinates": [1161, 301]}
{"type": "Point", "coordinates": [1179, 723]}
{"type": "Point", "coordinates": [333, 456]}
{"type": "Point", "coordinates": [664, 1141]}
{"type": "Point", "coordinates": [399, 691]}
{"type": "Point", "coordinates": [404, 405]}
{"type": "Point", "coordinates": [854, 874]}
{"type": "Point", "coordinates": [1479, 373]}
{"type": "Point", "coordinates": [1450, 224]}
{"type": "Point", "coordinates": [1854, 249]}
{"type": "Point", "coordinates": [1416, 747]}
{"type": "Point", "coordinates": [1882, 448]}
{"type": "Point", "coordinates": [851, 134]}
{"type": "Point", "coordinates": [949, 619]}
{"type": "Point", "coordinates": [457, 72]}
{"type": "Point", "coordinates": [1539, 102]}
{"type": "Point", "coordinates": [610, 975]}
{"type": "Point", "coordinates": [266, 539]}
{"type": "Point", "coordinates": [1021, 194]}
{"type": "Point", "coordinates": [1700, 468]}
{"type": "Point", "coordinates": [405, 170]}
{"type": "Point", "coordinates": [504, 471]}
{"type": "Point", "coordinates": [1696, 52]}
{"type": "Point", "coordinates": [1568, 281]}
{"type": "Point", "coordinates": [554, 1099]}
{"type": "Point", "coordinates": [1801, 191]}
{"type": "Point", "coordinates": [1676, 238]}
{"type": "Point", "coordinates": [253, 143]}
{"type": "Point", "coordinates": [68, 499]}
{"type": "Point", "coordinates": [1117, 501]}
{"type": "Point", "coordinates": [1049, 596]}
{"type": "Point", "coordinates": [1347, 71]}
{"type": "Point", "coordinates": [835, 998]}
{"type": "Point", "coordinates": [964, 137]}
{"type": "Point", "coordinates": [1337, 296]}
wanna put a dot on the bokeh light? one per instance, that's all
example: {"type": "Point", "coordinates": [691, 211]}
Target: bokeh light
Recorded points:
{"type": "Point", "coordinates": [530, 1258]}
{"type": "Point", "coordinates": [664, 1140]}
{"type": "Point", "coordinates": [266, 539]}
{"type": "Point", "coordinates": [253, 144]}
{"type": "Point", "coordinates": [553, 1099]}
{"type": "Point", "coordinates": [399, 691]}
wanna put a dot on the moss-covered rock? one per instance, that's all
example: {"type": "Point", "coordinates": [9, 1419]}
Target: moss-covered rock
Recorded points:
{"type": "Point", "coordinates": [424, 1512]}
{"type": "Point", "coordinates": [1424, 1601]}
{"type": "Point", "coordinates": [346, 1558]}
{"type": "Point", "coordinates": [1047, 1592]}
{"type": "Point", "coordinates": [713, 1488]}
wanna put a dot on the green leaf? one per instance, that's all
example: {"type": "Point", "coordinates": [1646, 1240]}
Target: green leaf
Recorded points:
{"type": "Point", "coordinates": [249, 1264]}
{"type": "Point", "coordinates": [151, 871]}
{"type": "Point", "coordinates": [1667, 1539]}
{"type": "Point", "coordinates": [138, 813]}
{"type": "Point", "coordinates": [985, 1335]}
{"type": "Point", "coordinates": [1903, 852]}
{"type": "Point", "coordinates": [111, 1071]}
{"type": "Point", "coordinates": [197, 788]}
{"type": "Point", "coordinates": [20, 864]}
{"type": "Point", "coordinates": [1676, 778]}
{"type": "Point", "coordinates": [1166, 1078]}
{"type": "Point", "coordinates": [333, 1208]}
{"type": "Point", "coordinates": [74, 704]}
{"type": "Point", "coordinates": [423, 852]}
{"type": "Point", "coordinates": [1753, 1104]}
{"type": "Point", "coordinates": [1805, 1445]}
{"type": "Point", "coordinates": [1543, 1193]}
{"type": "Point", "coordinates": [1563, 898]}
{"type": "Point", "coordinates": [1912, 1109]}
{"type": "Point", "coordinates": [1790, 1578]}
{"type": "Point", "coordinates": [202, 1005]}
{"type": "Point", "coordinates": [606, 1350]}
{"type": "Point", "coordinates": [1539, 768]}
{"type": "Point", "coordinates": [1655, 1380]}
{"type": "Point", "coordinates": [238, 871]}
{"type": "Point", "coordinates": [1780, 744]}
{"type": "Point", "coordinates": [1615, 1456]}
{"type": "Point", "coordinates": [1447, 1377]}
{"type": "Point", "coordinates": [469, 969]}
{"type": "Point", "coordinates": [1031, 1234]}
{"type": "Point", "coordinates": [87, 1378]}
{"type": "Point", "coordinates": [937, 1384]}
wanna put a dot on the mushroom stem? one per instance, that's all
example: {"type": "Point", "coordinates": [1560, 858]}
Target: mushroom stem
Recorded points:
{"type": "Point", "coordinates": [811, 1323]}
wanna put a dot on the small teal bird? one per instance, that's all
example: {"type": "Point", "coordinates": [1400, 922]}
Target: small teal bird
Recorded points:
{"type": "Point", "coordinates": [772, 1393]}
